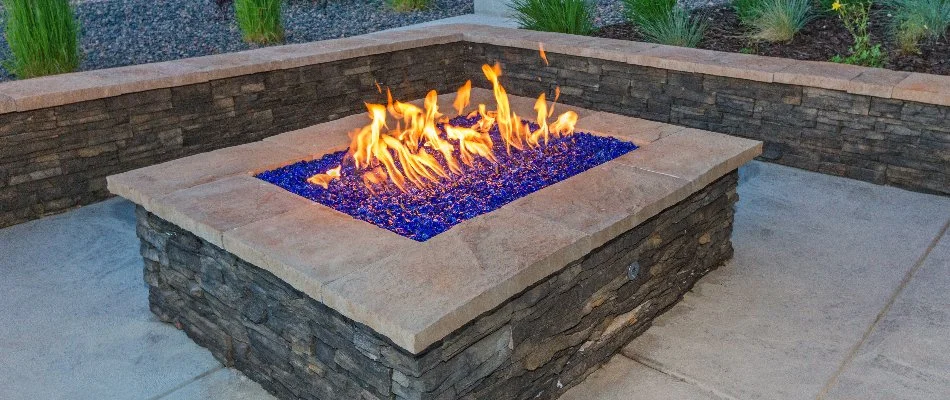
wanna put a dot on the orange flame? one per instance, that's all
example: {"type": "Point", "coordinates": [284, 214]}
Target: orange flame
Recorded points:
{"type": "Point", "coordinates": [325, 178]}
{"type": "Point", "coordinates": [404, 154]}
{"type": "Point", "coordinates": [544, 56]}
{"type": "Point", "coordinates": [462, 97]}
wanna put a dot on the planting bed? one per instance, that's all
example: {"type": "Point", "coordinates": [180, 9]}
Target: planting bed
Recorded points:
{"type": "Point", "coordinates": [129, 32]}
{"type": "Point", "coordinates": [521, 302]}
{"type": "Point", "coordinates": [821, 39]}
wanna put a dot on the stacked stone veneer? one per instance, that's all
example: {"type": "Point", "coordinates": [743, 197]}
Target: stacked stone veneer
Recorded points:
{"type": "Point", "coordinates": [536, 345]}
{"type": "Point", "coordinates": [55, 158]}
{"type": "Point", "coordinates": [875, 139]}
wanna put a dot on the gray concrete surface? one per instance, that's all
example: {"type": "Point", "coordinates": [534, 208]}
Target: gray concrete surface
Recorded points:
{"type": "Point", "coordinates": [501, 21]}
{"type": "Point", "coordinates": [838, 290]}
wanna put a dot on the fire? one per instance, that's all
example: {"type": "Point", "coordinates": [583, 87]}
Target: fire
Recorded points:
{"type": "Point", "coordinates": [325, 179]}
{"type": "Point", "coordinates": [407, 151]}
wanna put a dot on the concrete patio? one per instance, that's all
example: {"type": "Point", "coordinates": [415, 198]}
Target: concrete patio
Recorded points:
{"type": "Point", "coordinates": [838, 290]}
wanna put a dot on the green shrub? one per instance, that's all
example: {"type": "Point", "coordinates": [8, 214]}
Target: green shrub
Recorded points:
{"type": "Point", "coordinates": [908, 36]}
{"type": "Point", "coordinates": [677, 28]}
{"type": "Point", "coordinates": [665, 22]}
{"type": "Point", "coordinates": [409, 5]}
{"type": "Point", "coordinates": [43, 36]}
{"type": "Point", "coordinates": [747, 10]}
{"type": "Point", "coordinates": [866, 55]}
{"type": "Point", "coordinates": [916, 20]}
{"type": "Point", "coordinates": [640, 12]}
{"type": "Point", "coordinates": [564, 16]}
{"type": "Point", "coordinates": [260, 20]}
{"type": "Point", "coordinates": [779, 20]}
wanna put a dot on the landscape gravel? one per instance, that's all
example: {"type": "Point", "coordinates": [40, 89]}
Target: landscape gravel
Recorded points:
{"type": "Point", "coordinates": [127, 32]}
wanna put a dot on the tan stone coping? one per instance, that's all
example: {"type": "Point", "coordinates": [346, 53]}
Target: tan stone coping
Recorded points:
{"type": "Point", "coordinates": [416, 293]}
{"type": "Point", "coordinates": [57, 90]}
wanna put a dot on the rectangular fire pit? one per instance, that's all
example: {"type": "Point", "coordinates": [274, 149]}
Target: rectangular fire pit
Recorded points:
{"type": "Point", "coordinates": [519, 302]}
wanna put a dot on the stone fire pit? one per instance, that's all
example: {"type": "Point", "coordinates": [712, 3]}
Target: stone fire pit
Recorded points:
{"type": "Point", "coordinates": [519, 303]}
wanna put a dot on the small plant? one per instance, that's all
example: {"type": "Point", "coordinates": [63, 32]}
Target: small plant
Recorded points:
{"type": "Point", "coordinates": [747, 10]}
{"type": "Point", "coordinates": [665, 22]}
{"type": "Point", "coordinates": [872, 56]}
{"type": "Point", "coordinates": [908, 36]}
{"type": "Point", "coordinates": [855, 16]}
{"type": "Point", "coordinates": [779, 20]}
{"type": "Point", "coordinates": [259, 20]}
{"type": "Point", "coordinates": [409, 5]}
{"type": "Point", "coordinates": [917, 20]}
{"type": "Point", "coordinates": [645, 11]}
{"type": "Point", "coordinates": [678, 28]}
{"type": "Point", "coordinates": [563, 16]}
{"type": "Point", "coordinates": [43, 36]}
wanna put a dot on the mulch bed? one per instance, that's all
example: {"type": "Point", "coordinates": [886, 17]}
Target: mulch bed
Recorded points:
{"type": "Point", "coordinates": [821, 39]}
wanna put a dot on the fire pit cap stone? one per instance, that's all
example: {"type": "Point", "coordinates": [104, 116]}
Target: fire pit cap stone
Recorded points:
{"type": "Point", "coordinates": [417, 293]}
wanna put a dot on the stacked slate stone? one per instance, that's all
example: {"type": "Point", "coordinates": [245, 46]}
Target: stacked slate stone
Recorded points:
{"type": "Point", "coordinates": [53, 159]}
{"type": "Point", "coordinates": [534, 346]}
{"type": "Point", "coordinates": [874, 139]}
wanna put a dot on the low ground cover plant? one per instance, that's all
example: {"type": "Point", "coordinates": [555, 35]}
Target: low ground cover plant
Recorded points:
{"type": "Point", "coordinates": [43, 36]}
{"type": "Point", "coordinates": [914, 21]}
{"type": "Point", "coordinates": [564, 16]}
{"type": "Point", "coordinates": [260, 20]}
{"type": "Point", "coordinates": [665, 22]}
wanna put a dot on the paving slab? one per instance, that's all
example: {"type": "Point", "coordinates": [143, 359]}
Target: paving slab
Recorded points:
{"type": "Point", "coordinates": [286, 244]}
{"type": "Point", "coordinates": [694, 155]}
{"type": "Point", "coordinates": [221, 384]}
{"type": "Point", "coordinates": [144, 184]}
{"type": "Point", "coordinates": [624, 379]}
{"type": "Point", "coordinates": [322, 139]}
{"type": "Point", "coordinates": [76, 323]}
{"type": "Point", "coordinates": [604, 201]}
{"type": "Point", "coordinates": [905, 357]}
{"type": "Point", "coordinates": [640, 132]}
{"type": "Point", "coordinates": [213, 208]}
{"type": "Point", "coordinates": [817, 258]}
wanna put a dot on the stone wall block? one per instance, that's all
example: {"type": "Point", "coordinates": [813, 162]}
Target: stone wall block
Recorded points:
{"type": "Point", "coordinates": [537, 345]}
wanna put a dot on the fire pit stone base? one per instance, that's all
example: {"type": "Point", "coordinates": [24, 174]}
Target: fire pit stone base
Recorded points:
{"type": "Point", "coordinates": [537, 344]}
{"type": "Point", "coordinates": [521, 302]}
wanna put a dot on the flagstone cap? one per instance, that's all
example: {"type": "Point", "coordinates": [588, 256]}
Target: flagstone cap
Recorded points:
{"type": "Point", "coordinates": [51, 91]}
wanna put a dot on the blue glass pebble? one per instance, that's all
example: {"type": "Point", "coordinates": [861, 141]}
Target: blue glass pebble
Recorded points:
{"type": "Point", "coordinates": [422, 213]}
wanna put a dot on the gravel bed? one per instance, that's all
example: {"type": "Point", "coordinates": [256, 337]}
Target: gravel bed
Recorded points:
{"type": "Point", "coordinates": [127, 32]}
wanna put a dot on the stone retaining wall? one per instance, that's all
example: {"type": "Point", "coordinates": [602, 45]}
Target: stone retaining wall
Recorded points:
{"type": "Point", "coordinates": [875, 139]}
{"type": "Point", "coordinates": [60, 136]}
{"type": "Point", "coordinates": [534, 346]}
{"type": "Point", "coordinates": [52, 159]}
